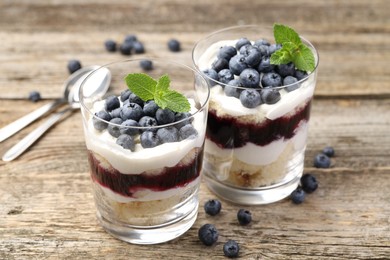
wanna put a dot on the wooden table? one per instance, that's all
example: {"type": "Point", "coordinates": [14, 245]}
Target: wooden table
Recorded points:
{"type": "Point", "coordinates": [46, 206]}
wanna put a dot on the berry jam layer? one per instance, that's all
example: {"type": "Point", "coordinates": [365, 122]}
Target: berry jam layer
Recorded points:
{"type": "Point", "coordinates": [128, 184]}
{"type": "Point", "coordinates": [230, 132]}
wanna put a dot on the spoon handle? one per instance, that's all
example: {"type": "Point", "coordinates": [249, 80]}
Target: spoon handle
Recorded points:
{"type": "Point", "coordinates": [22, 122]}
{"type": "Point", "coordinates": [29, 139]}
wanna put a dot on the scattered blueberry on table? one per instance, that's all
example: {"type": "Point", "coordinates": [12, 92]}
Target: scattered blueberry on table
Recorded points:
{"type": "Point", "coordinates": [146, 65]}
{"type": "Point", "coordinates": [309, 183]}
{"type": "Point", "coordinates": [322, 161]}
{"type": "Point", "coordinates": [244, 217]}
{"type": "Point", "coordinates": [212, 207]}
{"type": "Point", "coordinates": [110, 45]}
{"type": "Point", "coordinates": [73, 66]}
{"type": "Point", "coordinates": [231, 249]}
{"type": "Point", "coordinates": [34, 96]}
{"type": "Point", "coordinates": [174, 45]}
{"type": "Point", "coordinates": [208, 234]}
{"type": "Point", "coordinates": [298, 195]}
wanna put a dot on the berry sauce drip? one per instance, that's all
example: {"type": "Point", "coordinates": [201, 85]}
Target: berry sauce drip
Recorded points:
{"type": "Point", "coordinates": [127, 184]}
{"type": "Point", "coordinates": [228, 132]}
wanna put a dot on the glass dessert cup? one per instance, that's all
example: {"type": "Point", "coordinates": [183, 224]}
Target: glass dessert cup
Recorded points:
{"type": "Point", "coordinates": [253, 155]}
{"type": "Point", "coordinates": [146, 195]}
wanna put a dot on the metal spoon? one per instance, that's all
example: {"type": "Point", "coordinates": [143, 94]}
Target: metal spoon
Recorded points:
{"type": "Point", "coordinates": [96, 85]}
{"type": "Point", "coordinates": [24, 121]}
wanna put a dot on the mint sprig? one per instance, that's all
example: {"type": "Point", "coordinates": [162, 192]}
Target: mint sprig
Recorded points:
{"type": "Point", "coordinates": [148, 88]}
{"type": "Point", "coordinates": [293, 50]}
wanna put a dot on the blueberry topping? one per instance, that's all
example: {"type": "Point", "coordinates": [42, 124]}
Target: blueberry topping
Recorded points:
{"type": "Point", "coordinates": [299, 74]}
{"type": "Point", "coordinates": [165, 116]}
{"type": "Point", "coordinates": [147, 121]}
{"type": "Point", "coordinates": [250, 98]}
{"type": "Point", "coordinates": [264, 50]}
{"type": "Point", "coordinates": [138, 47]}
{"type": "Point", "coordinates": [274, 47]}
{"type": "Point", "coordinates": [150, 108]}
{"type": "Point", "coordinates": [298, 195]}
{"type": "Point", "coordinates": [212, 207]}
{"type": "Point", "coordinates": [98, 124]}
{"type": "Point", "coordinates": [131, 111]}
{"type": "Point", "coordinates": [285, 70]}
{"type": "Point", "coordinates": [125, 94]}
{"type": "Point", "coordinates": [309, 183]}
{"type": "Point", "coordinates": [114, 130]}
{"type": "Point", "coordinates": [225, 76]}
{"type": "Point", "coordinates": [127, 127]}
{"type": "Point", "coordinates": [111, 103]}
{"type": "Point", "coordinates": [231, 89]}
{"type": "Point", "coordinates": [220, 64]}
{"type": "Point", "coordinates": [126, 141]}
{"type": "Point", "coordinates": [226, 52]}
{"type": "Point", "coordinates": [241, 42]}
{"type": "Point", "coordinates": [231, 249]}
{"type": "Point", "coordinates": [261, 42]}
{"type": "Point", "coordinates": [212, 74]}
{"type": "Point", "coordinates": [168, 134]}
{"type": "Point", "coordinates": [146, 65]}
{"type": "Point", "coordinates": [110, 45]}
{"type": "Point", "coordinates": [174, 45]}
{"type": "Point", "coordinates": [270, 96]}
{"type": "Point", "coordinates": [329, 151]}
{"type": "Point", "coordinates": [250, 78]}
{"type": "Point", "coordinates": [73, 65]}
{"type": "Point", "coordinates": [130, 38]}
{"type": "Point", "coordinates": [208, 234]}
{"type": "Point", "coordinates": [290, 82]}
{"type": "Point", "coordinates": [133, 98]}
{"type": "Point", "coordinates": [34, 96]}
{"type": "Point", "coordinates": [253, 57]}
{"type": "Point", "coordinates": [149, 139]}
{"type": "Point", "coordinates": [244, 217]}
{"type": "Point", "coordinates": [181, 116]}
{"type": "Point", "coordinates": [321, 161]}
{"type": "Point", "coordinates": [237, 64]}
{"type": "Point", "coordinates": [271, 79]}
{"type": "Point", "coordinates": [244, 50]}
{"type": "Point", "coordinates": [126, 48]}
{"type": "Point", "coordinates": [265, 65]}
{"type": "Point", "coordinates": [116, 112]}
{"type": "Point", "coordinates": [187, 131]}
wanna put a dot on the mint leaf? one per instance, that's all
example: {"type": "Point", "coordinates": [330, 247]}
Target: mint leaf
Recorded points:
{"type": "Point", "coordinates": [304, 58]}
{"type": "Point", "coordinates": [281, 56]}
{"type": "Point", "coordinates": [163, 83]}
{"type": "Point", "coordinates": [142, 85]}
{"type": "Point", "coordinates": [283, 34]}
{"type": "Point", "coordinates": [173, 100]}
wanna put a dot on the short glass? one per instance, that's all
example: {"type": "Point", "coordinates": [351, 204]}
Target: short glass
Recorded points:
{"type": "Point", "coordinates": [148, 195]}
{"type": "Point", "coordinates": [253, 155]}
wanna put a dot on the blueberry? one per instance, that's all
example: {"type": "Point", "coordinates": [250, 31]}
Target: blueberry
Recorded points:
{"type": "Point", "coordinates": [244, 217]}
{"type": "Point", "coordinates": [237, 64]}
{"type": "Point", "coordinates": [212, 207]}
{"type": "Point", "coordinates": [264, 50]}
{"type": "Point", "coordinates": [253, 57]}
{"type": "Point", "coordinates": [299, 74]}
{"type": "Point", "coordinates": [212, 76]}
{"type": "Point", "coordinates": [182, 116]}
{"type": "Point", "coordinates": [125, 94]}
{"type": "Point", "coordinates": [126, 48]}
{"type": "Point", "coordinates": [138, 47]}
{"type": "Point", "coordinates": [231, 249]}
{"type": "Point", "coordinates": [271, 79]}
{"type": "Point", "coordinates": [131, 111]}
{"type": "Point", "coordinates": [149, 139]}
{"type": "Point", "coordinates": [133, 98]}
{"type": "Point", "coordinates": [250, 78]}
{"type": "Point", "coordinates": [226, 52]}
{"type": "Point", "coordinates": [129, 127]}
{"type": "Point", "coordinates": [225, 76]}
{"type": "Point", "coordinates": [208, 234]}
{"type": "Point", "coordinates": [298, 195]}
{"type": "Point", "coordinates": [187, 131]}
{"type": "Point", "coordinates": [329, 151]}
{"type": "Point", "coordinates": [130, 38]}
{"type": "Point", "coordinates": [168, 134]}
{"type": "Point", "coordinates": [274, 47]}
{"type": "Point", "coordinates": [116, 112]}
{"type": "Point", "coordinates": [110, 45]}
{"type": "Point", "coordinates": [270, 96]}
{"type": "Point", "coordinates": [309, 183]}
{"type": "Point", "coordinates": [174, 45]}
{"type": "Point", "coordinates": [146, 65]}
{"type": "Point", "coordinates": [111, 103]}
{"type": "Point", "coordinates": [250, 98]}
{"type": "Point", "coordinates": [265, 65]}
{"type": "Point", "coordinates": [34, 96]}
{"type": "Point", "coordinates": [147, 121]}
{"type": "Point", "coordinates": [321, 161]}
{"type": "Point", "coordinates": [220, 64]}
{"type": "Point", "coordinates": [165, 116]}
{"type": "Point", "coordinates": [98, 124]}
{"type": "Point", "coordinates": [261, 42]}
{"type": "Point", "coordinates": [126, 141]}
{"type": "Point", "coordinates": [113, 127]}
{"type": "Point", "coordinates": [150, 108]}
{"type": "Point", "coordinates": [291, 83]}
{"type": "Point", "coordinates": [241, 42]}
{"type": "Point", "coordinates": [244, 50]}
{"type": "Point", "coordinates": [73, 65]}
{"type": "Point", "coordinates": [285, 70]}
{"type": "Point", "coordinates": [231, 89]}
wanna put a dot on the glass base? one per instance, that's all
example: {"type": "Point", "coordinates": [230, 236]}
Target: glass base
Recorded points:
{"type": "Point", "coordinates": [152, 234]}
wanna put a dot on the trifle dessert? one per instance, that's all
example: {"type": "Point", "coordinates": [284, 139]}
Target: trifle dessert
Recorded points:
{"type": "Point", "coordinates": [145, 151]}
{"type": "Point", "coordinates": [261, 93]}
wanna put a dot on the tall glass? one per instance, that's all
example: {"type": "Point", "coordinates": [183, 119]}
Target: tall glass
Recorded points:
{"type": "Point", "coordinates": [254, 155]}
{"type": "Point", "coordinates": [145, 193]}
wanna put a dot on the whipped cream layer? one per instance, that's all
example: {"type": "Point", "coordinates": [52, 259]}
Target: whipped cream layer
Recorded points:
{"type": "Point", "coordinates": [141, 160]}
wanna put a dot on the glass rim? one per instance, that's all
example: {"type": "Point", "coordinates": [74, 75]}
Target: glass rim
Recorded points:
{"type": "Point", "coordinates": [252, 26]}
{"type": "Point", "coordinates": [107, 65]}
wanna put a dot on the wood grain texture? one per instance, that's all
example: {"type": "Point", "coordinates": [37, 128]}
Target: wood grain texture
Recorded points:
{"type": "Point", "coordinates": [46, 205]}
